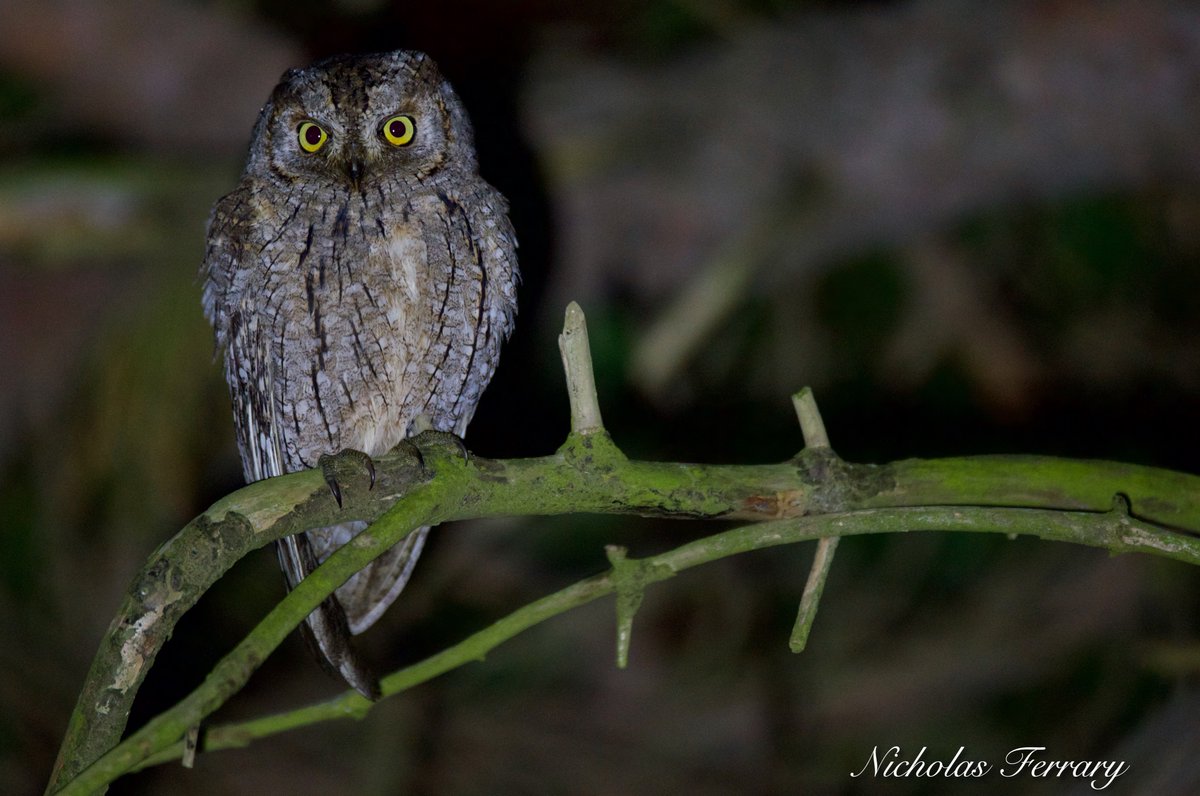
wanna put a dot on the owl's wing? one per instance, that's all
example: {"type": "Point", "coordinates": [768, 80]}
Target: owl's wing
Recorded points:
{"type": "Point", "coordinates": [249, 371]}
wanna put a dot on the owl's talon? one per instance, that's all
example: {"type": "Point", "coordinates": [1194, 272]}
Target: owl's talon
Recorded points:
{"type": "Point", "coordinates": [335, 489]}
{"type": "Point", "coordinates": [329, 465]}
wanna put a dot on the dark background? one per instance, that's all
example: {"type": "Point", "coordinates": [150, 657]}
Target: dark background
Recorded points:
{"type": "Point", "coordinates": [972, 228]}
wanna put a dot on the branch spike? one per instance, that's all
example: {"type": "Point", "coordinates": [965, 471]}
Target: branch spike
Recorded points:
{"type": "Point", "coordinates": [815, 437]}
{"type": "Point", "coordinates": [811, 424]}
{"type": "Point", "coordinates": [630, 577]}
{"type": "Point", "coordinates": [630, 591]}
{"type": "Point", "coordinates": [581, 381]}
{"type": "Point", "coordinates": [191, 741]}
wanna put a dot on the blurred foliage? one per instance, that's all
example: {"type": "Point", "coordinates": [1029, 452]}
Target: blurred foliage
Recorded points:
{"type": "Point", "coordinates": [17, 98]}
{"type": "Point", "coordinates": [114, 430]}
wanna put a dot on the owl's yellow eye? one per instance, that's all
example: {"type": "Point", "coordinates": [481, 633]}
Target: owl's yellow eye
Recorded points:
{"type": "Point", "coordinates": [312, 136]}
{"type": "Point", "coordinates": [399, 130]}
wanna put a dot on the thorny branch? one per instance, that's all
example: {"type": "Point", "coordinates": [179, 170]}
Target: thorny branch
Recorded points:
{"type": "Point", "coordinates": [1124, 508]}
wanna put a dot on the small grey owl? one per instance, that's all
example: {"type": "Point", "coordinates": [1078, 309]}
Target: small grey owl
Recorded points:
{"type": "Point", "coordinates": [360, 280]}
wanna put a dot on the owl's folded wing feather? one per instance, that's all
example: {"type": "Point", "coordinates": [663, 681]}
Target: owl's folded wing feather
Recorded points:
{"type": "Point", "coordinates": [249, 372]}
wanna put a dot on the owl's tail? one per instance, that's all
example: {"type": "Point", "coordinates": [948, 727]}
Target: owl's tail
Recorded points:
{"type": "Point", "coordinates": [326, 630]}
{"type": "Point", "coordinates": [368, 592]}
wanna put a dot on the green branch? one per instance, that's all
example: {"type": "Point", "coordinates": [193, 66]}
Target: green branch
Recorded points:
{"type": "Point", "coordinates": [813, 495]}
{"type": "Point", "coordinates": [1094, 529]}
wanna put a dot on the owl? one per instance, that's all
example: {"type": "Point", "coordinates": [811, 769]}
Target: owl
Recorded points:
{"type": "Point", "coordinates": [360, 280]}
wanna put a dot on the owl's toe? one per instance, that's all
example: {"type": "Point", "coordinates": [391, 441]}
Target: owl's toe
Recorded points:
{"type": "Point", "coordinates": [409, 447]}
{"type": "Point", "coordinates": [432, 440]}
{"type": "Point", "coordinates": [336, 464]}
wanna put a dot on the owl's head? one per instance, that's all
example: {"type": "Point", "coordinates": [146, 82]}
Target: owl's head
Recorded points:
{"type": "Point", "coordinates": [357, 121]}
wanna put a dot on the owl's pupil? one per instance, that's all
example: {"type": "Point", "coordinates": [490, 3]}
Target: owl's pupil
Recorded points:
{"type": "Point", "coordinates": [312, 135]}
{"type": "Point", "coordinates": [396, 129]}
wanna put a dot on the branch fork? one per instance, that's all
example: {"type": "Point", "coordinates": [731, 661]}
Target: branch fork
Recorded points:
{"type": "Point", "coordinates": [1156, 511]}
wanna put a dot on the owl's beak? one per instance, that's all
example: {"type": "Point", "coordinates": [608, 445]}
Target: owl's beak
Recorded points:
{"type": "Point", "coordinates": [355, 169]}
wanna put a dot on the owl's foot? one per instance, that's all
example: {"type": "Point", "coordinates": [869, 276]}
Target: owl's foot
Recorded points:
{"type": "Point", "coordinates": [432, 439]}
{"type": "Point", "coordinates": [407, 446]}
{"type": "Point", "coordinates": [330, 464]}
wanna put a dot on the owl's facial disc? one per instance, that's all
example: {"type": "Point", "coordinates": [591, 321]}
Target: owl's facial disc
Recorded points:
{"type": "Point", "coordinates": [352, 123]}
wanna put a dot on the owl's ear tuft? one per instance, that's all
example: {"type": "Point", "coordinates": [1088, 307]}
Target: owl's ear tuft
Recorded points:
{"type": "Point", "coordinates": [424, 69]}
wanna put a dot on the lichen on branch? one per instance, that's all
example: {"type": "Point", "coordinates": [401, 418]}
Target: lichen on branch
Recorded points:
{"type": "Point", "coordinates": [814, 495]}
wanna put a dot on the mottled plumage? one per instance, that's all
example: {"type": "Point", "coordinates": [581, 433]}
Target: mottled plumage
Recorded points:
{"type": "Point", "coordinates": [360, 279]}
